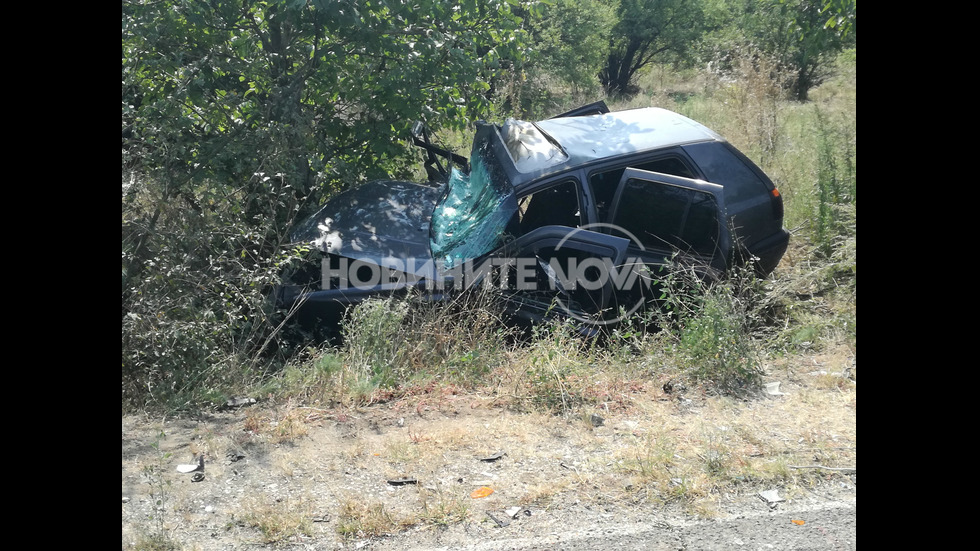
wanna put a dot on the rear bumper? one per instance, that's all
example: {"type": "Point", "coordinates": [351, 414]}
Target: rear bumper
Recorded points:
{"type": "Point", "coordinates": [770, 251]}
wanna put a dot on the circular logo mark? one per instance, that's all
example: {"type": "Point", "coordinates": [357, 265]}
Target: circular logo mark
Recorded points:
{"type": "Point", "coordinates": [616, 278]}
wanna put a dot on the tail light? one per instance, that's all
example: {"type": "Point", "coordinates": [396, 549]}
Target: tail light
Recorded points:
{"type": "Point", "coordinates": [777, 204]}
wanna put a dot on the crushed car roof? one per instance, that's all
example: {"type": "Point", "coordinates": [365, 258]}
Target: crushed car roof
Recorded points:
{"type": "Point", "coordinates": [623, 132]}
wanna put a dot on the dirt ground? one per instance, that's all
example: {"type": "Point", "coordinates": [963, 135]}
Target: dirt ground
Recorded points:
{"type": "Point", "coordinates": [402, 474]}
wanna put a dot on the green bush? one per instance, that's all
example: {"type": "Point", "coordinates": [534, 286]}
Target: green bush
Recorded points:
{"type": "Point", "coordinates": [711, 323]}
{"type": "Point", "coordinates": [239, 119]}
{"type": "Point", "coordinates": [373, 339]}
{"type": "Point", "coordinates": [836, 184]}
{"type": "Point", "coordinates": [400, 341]}
{"type": "Point", "coordinates": [198, 322]}
{"type": "Point", "coordinates": [716, 346]}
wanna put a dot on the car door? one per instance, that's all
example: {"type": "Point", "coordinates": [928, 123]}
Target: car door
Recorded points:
{"type": "Point", "coordinates": [667, 219]}
{"type": "Point", "coordinates": [558, 271]}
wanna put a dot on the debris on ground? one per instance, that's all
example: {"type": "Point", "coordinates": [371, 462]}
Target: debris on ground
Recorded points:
{"type": "Point", "coordinates": [771, 497]}
{"type": "Point", "coordinates": [192, 467]}
{"type": "Point", "coordinates": [402, 481]}
{"type": "Point", "coordinates": [772, 389]}
{"type": "Point", "coordinates": [494, 457]}
{"type": "Point", "coordinates": [482, 491]}
{"type": "Point", "coordinates": [500, 523]}
{"type": "Point", "coordinates": [238, 402]}
{"type": "Point", "coordinates": [234, 456]}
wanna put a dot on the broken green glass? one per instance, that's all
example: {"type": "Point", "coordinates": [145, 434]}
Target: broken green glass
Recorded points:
{"type": "Point", "coordinates": [473, 215]}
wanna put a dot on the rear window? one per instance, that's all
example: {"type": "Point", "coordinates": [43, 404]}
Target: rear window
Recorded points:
{"type": "Point", "coordinates": [721, 166]}
{"type": "Point", "coordinates": [604, 183]}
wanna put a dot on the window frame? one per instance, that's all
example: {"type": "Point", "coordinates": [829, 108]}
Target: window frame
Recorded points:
{"type": "Point", "coordinates": [630, 162]}
{"type": "Point", "coordinates": [719, 258]}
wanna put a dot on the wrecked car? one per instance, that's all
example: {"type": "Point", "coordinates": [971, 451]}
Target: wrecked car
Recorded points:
{"type": "Point", "coordinates": [569, 216]}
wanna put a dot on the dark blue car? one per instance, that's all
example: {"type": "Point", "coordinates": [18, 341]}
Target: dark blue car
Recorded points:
{"type": "Point", "coordinates": [570, 216]}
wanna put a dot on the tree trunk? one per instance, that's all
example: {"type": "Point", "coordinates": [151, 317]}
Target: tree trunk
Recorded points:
{"type": "Point", "coordinates": [618, 73]}
{"type": "Point", "coordinates": [804, 81]}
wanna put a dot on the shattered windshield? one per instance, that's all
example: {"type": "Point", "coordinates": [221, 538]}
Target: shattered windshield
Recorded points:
{"type": "Point", "coordinates": [473, 214]}
{"type": "Point", "coordinates": [530, 149]}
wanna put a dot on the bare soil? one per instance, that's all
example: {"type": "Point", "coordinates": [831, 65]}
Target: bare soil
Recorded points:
{"type": "Point", "coordinates": [670, 472]}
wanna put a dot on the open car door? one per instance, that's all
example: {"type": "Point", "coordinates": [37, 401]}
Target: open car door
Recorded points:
{"type": "Point", "coordinates": [671, 219]}
{"type": "Point", "coordinates": [667, 213]}
{"type": "Point", "coordinates": [560, 271]}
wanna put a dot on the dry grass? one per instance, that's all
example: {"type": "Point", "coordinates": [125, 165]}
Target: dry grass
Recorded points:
{"type": "Point", "coordinates": [280, 519]}
{"type": "Point", "coordinates": [689, 449]}
{"type": "Point", "coordinates": [429, 397]}
{"type": "Point", "coordinates": [694, 454]}
{"type": "Point", "coordinates": [155, 542]}
{"type": "Point", "coordinates": [443, 506]}
{"type": "Point", "coordinates": [282, 424]}
{"type": "Point", "coordinates": [360, 518]}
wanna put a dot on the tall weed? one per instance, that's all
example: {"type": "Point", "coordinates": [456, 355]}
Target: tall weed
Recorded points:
{"type": "Point", "coordinates": [716, 346]}
{"type": "Point", "coordinates": [373, 337]}
{"type": "Point", "coordinates": [401, 341]}
{"type": "Point", "coordinates": [753, 100]}
{"type": "Point", "coordinates": [836, 184]}
{"type": "Point", "coordinates": [550, 364]}
{"type": "Point", "coordinates": [711, 323]}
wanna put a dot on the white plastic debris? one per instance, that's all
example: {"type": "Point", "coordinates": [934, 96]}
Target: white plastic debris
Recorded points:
{"type": "Point", "coordinates": [772, 389]}
{"type": "Point", "coordinates": [189, 468]}
{"type": "Point", "coordinates": [771, 496]}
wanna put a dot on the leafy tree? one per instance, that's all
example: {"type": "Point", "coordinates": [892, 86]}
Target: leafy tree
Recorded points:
{"type": "Point", "coordinates": [323, 83]}
{"type": "Point", "coordinates": [570, 36]}
{"type": "Point", "coordinates": [239, 116]}
{"type": "Point", "coordinates": [566, 41]}
{"type": "Point", "coordinates": [819, 30]}
{"type": "Point", "coordinates": [569, 45]}
{"type": "Point", "coordinates": [647, 30]}
{"type": "Point", "coordinates": [802, 36]}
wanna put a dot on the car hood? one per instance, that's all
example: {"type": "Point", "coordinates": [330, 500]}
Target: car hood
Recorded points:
{"type": "Point", "coordinates": [384, 222]}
